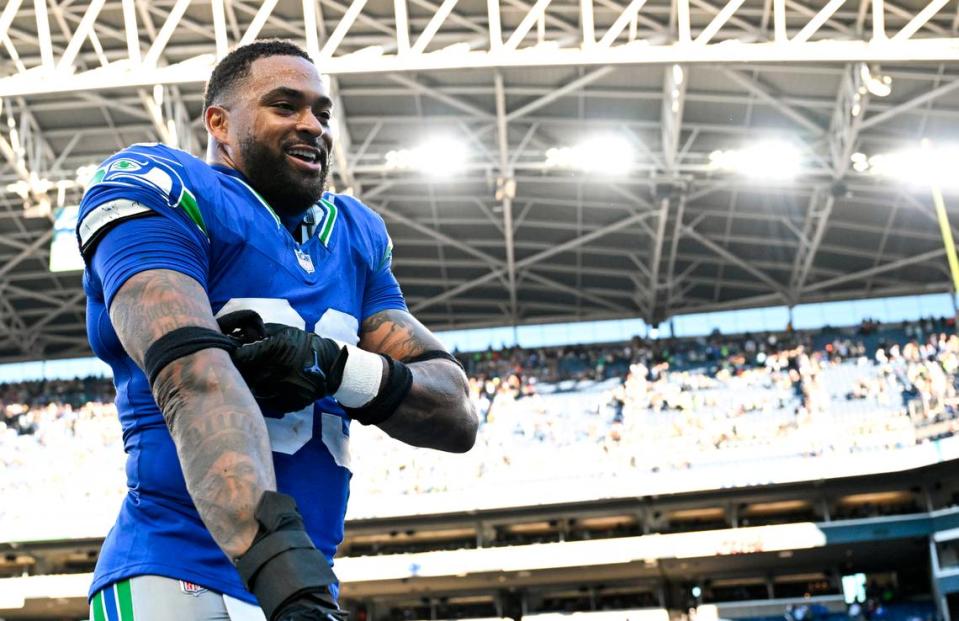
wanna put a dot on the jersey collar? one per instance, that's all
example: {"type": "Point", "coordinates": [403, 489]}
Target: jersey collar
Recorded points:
{"type": "Point", "coordinates": [324, 211]}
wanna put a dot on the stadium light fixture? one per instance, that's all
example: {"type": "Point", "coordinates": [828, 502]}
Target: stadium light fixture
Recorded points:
{"type": "Point", "coordinates": [764, 160]}
{"type": "Point", "coordinates": [919, 167]}
{"type": "Point", "coordinates": [926, 166]}
{"type": "Point", "coordinates": [438, 157]}
{"type": "Point", "coordinates": [874, 82]}
{"type": "Point", "coordinates": [608, 155]}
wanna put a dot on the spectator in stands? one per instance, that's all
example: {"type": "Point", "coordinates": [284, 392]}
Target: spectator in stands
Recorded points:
{"type": "Point", "coordinates": [616, 410]}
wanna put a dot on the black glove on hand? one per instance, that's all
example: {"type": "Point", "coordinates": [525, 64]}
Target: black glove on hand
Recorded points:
{"type": "Point", "coordinates": [289, 576]}
{"type": "Point", "coordinates": [286, 368]}
{"type": "Point", "coordinates": [311, 607]}
{"type": "Point", "coordinates": [243, 326]}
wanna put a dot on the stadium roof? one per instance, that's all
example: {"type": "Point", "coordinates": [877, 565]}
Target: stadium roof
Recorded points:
{"type": "Point", "coordinates": [519, 235]}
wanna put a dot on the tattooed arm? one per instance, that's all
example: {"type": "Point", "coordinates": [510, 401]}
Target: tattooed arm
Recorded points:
{"type": "Point", "coordinates": [217, 427]}
{"type": "Point", "coordinates": [437, 412]}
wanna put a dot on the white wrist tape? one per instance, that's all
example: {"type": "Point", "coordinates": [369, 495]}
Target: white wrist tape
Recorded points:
{"type": "Point", "coordinates": [361, 378]}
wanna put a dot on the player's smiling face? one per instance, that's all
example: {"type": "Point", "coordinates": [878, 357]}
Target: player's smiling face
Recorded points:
{"type": "Point", "coordinates": [281, 124]}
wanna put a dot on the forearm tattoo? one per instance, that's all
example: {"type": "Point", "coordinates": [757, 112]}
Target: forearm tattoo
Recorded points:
{"type": "Point", "coordinates": [398, 335]}
{"type": "Point", "coordinates": [219, 433]}
{"type": "Point", "coordinates": [437, 412]}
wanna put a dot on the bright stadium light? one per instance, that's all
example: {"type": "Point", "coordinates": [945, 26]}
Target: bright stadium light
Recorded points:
{"type": "Point", "coordinates": [438, 157]}
{"type": "Point", "coordinates": [608, 155]}
{"type": "Point", "coordinates": [764, 160]}
{"type": "Point", "coordinates": [926, 166]}
{"type": "Point", "coordinates": [874, 82]}
{"type": "Point", "coordinates": [921, 166]}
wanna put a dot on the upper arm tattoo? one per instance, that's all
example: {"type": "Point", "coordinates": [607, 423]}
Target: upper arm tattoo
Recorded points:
{"type": "Point", "coordinates": [397, 334]}
{"type": "Point", "coordinates": [154, 302]}
{"type": "Point", "coordinates": [220, 436]}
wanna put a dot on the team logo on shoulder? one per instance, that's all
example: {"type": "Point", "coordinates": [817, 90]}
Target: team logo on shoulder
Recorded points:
{"type": "Point", "coordinates": [146, 171]}
{"type": "Point", "coordinates": [305, 261]}
{"type": "Point", "coordinates": [124, 164]}
{"type": "Point", "coordinates": [191, 589]}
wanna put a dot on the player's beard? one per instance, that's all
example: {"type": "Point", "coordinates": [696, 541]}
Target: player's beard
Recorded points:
{"type": "Point", "coordinates": [288, 191]}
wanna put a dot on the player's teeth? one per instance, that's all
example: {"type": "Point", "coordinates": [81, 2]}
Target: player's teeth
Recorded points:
{"type": "Point", "coordinates": [309, 156]}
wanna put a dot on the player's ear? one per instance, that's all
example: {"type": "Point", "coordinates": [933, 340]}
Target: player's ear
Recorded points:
{"type": "Point", "coordinates": [217, 123]}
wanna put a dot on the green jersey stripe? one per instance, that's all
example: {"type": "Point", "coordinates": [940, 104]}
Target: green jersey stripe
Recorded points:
{"type": "Point", "coordinates": [263, 202]}
{"type": "Point", "coordinates": [188, 203]}
{"type": "Point", "coordinates": [124, 597]}
{"type": "Point", "coordinates": [97, 608]}
{"type": "Point", "coordinates": [326, 231]}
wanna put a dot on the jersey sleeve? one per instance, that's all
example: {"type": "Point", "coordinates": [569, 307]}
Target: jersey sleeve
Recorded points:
{"type": "Point", "coordinates": [138, 182]}
{"type": "Point", "coordinates": [139, 214]}
{"type": "Point", "coordinates": [143, 244]}
{"type": "Point", "coordinates": [382, 290]}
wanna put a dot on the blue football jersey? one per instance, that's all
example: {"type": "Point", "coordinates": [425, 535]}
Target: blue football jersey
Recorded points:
{"type": "Point", "coordinates": [153, 207]}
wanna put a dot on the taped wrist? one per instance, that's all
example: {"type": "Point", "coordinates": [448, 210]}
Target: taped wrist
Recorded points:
{"type": "Point", "coordinates": [399, 380]}
{"type": "Point", "coordinates": [179, 343]}
{"type": "Point", "coordinates": [283, 563]}
{"type": "Point", "coordinates": [357, 376]}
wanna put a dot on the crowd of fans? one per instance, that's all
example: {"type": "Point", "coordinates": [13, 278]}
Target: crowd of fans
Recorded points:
{"type": "Point", "coordinates": [571, 413]}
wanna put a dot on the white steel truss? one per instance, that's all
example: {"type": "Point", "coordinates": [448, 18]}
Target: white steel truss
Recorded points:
{"type": "Point", "coordinates": [101, 45]}
{"type": "Point", "coordinates": [514, 240]}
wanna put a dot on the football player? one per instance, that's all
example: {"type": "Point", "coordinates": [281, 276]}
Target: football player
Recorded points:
{"type": "Point", "coordinates": [237, 497]}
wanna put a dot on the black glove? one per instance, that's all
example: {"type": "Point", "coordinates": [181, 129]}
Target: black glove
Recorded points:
{"type": "Point", "coordinates": [243, 326]}
{"type": "Point", "coordinates": [286, 368]}
{"type": "Point", "coordinates": [311, 607]}
{"type": "Point", "coordinates": [289, 576]}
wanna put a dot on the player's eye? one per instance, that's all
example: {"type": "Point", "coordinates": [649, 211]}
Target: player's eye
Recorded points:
{"type": "Point", "coordinates": [324, 116]}
{"type": "Point", "coordinates": [285, 106]}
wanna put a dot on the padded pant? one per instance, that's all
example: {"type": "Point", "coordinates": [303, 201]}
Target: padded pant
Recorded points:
{"type": "Point", "coordinates": [155, 598]}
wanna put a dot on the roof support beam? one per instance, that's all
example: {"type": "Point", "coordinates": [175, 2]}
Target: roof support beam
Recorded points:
{"type": "Point", "coordinates": [763, 93]}
{"type": "Point", "coordinates": [879, 269]}
{"type": "Point", "coordinates": [43, 34]}
{"type": "Point", "coordinates": [506, 191]}
{"type": "Point", "coordinates": [339, 33]}
{"type": "Point", "coordinates": [920, 19]}
{"type": "Point", "coordinates": [402, 26]}
{"type": "Point", "coordinates": [671, 280]}
{"type": "Point", "coordinates": [433, 93]}
{"type": "Point", "coordinates": [674, 96]}
{"type": "Point", "coordinates": [621, 22]}
{"type": "Point", "coordinates": [657, 253]}
{"type": "Point", "coordinates": [577, 292]}
{"type": "Point", "coordinates": [928, 96]}
{"type": "Point", "coordinates": [74, 304]}
{"type": "Point", "coordinates": [6, 18]}
{"type": "Point", "coordinates": [11, 324]}
{"type": "Point", "coordinates": [562, 91]}
{"type": "Point", "coordinates": [27, 252]}
{"type": "Point", "coordinates": [166, 31]}
{"type": "Point", "coordinates": [718, 21]}
{"type": "Point", "coordinates": [731, 258]}
{"type": "Point", "coordinates": [531, 260]}
{"type": "Point", "coordinates": [823, 211]}
{"type": "Point", "coordinates": [84, 30]}
{"type": "Point", "coordinates": [253, 30]}
{"type": "Point", "coordinates": [534, 14]}
{"type": "Point", "coordinates": [433, 26]}
{"type": "Point", "coordinates": [219, 26]}
{"type": "Point", "coordinates": [817, 21]}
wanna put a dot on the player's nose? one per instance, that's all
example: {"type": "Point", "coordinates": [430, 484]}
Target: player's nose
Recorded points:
{"type": "Point", "coordinates": [311, 124]}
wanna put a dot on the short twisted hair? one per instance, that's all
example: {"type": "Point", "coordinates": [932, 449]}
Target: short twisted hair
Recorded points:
{"type": "Point", "coordinates": [235, 66]}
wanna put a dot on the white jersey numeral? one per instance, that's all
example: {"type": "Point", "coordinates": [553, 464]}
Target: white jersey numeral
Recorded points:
{"type": "Point", "coordinates": [291, 432]}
